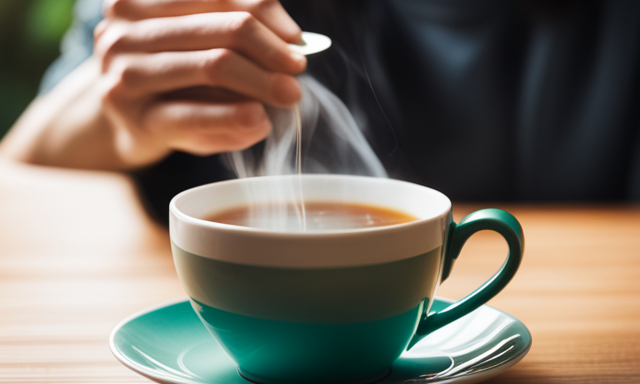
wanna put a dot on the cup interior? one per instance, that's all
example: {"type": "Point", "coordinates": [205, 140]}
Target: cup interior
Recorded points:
{"type": "Point", "coordinates": [419, 201]}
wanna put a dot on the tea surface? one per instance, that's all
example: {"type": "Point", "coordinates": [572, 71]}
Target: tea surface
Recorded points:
{"type": "Point", "coordinates": [319, 216]}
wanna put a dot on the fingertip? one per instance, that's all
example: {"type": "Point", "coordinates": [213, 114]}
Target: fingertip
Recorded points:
{"type": "Point", "coordinates": [254, 125]}
{"type": "Point", "coordinates": [286, 91]}
{"type": "Point", "coordinates": [299, 61]}
{"type": "Point", "coordinates": [251, 115]}
{"type": "Point", "coordinates": [276, 18]}
{"type": "Point", "coordinates": [294, 34]}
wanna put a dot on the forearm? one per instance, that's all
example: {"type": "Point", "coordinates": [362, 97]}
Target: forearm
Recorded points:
{"type": "Point", "coordinates": [66, 127]}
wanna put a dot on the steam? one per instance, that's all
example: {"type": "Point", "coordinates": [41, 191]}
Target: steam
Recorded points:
{"type": "Point", "coordinates": [331, 142]}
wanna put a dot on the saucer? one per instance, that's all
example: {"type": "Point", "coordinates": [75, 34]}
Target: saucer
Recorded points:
{"type": "Point", "coordinates": [169, 344]}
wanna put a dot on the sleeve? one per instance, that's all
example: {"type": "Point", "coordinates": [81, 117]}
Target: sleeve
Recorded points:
{"type": "Point", "coordinates": [633, 192]}
{"type": "Point", "coordinates": [159, 183]}
{"type": "Point", "coordinates": [77, 43]}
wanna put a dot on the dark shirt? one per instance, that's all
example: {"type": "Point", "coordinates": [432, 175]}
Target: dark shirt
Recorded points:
{"type": "Point", "coordinates": [481, 99]}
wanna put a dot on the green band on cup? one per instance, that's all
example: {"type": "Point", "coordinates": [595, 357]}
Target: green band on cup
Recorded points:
{"type": "Point", "coordinates": [321, 295]}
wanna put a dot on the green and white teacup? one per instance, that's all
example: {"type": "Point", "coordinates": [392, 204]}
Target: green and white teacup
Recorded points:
{"type": "Point", "coordinates": [337, 306]}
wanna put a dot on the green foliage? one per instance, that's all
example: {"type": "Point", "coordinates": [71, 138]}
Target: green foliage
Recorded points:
{"type": "Point", "coordinates": [30, 33]}
{"type": "Point", "coordinates": [47, 20]}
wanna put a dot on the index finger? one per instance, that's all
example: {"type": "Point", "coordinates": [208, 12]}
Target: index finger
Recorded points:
{"type": "Point", "coordinates": [239, 31]}
{"type": "Point", "coordinates": [269, 12]}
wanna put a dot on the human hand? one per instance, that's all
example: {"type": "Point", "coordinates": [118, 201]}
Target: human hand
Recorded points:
{"type": "Point", "coordinates": [192, 75]}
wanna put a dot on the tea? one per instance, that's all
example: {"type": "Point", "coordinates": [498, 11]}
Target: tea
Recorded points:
{"type": "Point", "coordinates": [319, 216]}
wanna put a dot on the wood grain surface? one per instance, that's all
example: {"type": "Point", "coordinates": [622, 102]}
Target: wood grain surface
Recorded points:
{"type": "Point", "coordinates": [78, 254]}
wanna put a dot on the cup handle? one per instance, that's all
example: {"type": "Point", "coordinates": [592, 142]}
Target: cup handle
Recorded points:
{"type": "Point", "coordinates": [486, 219]}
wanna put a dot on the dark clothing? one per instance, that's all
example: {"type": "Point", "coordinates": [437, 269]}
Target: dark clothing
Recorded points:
{"type": "Point", "coordinates": [477, 98]}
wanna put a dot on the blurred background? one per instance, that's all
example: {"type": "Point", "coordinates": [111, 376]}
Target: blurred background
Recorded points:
{"type": "Point", "coordinates": [30, 33]}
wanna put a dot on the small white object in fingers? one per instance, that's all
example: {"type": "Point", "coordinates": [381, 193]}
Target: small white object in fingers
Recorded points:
{"type": "Point", "coordinates": [311, 43]}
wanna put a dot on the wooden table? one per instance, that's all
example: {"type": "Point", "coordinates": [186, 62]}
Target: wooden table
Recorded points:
{"type": "Point", "coordinates": [77, 255]}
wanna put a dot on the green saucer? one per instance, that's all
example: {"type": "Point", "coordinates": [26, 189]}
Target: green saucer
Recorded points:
{"type": "Point", "coordinates": [169, 344]}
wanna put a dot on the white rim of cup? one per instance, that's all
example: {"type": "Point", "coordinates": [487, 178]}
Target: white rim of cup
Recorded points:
{"type": "Point", "coordinates": [329, 233]}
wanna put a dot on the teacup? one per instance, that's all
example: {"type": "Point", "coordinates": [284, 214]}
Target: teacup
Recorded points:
{"type": "Point", "coordinates": [335, 306]}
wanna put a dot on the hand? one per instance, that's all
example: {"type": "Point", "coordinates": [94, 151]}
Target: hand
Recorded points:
{"type": "Point", "coordinates": [192, 75]}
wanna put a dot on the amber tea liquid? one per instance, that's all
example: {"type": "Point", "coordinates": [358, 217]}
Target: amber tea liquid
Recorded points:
{"type": "Point", "coordinates": [320, 216]}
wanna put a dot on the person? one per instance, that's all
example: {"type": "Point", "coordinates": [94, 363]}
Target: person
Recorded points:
{"type": "Point", "coordinates": [482, 99]}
